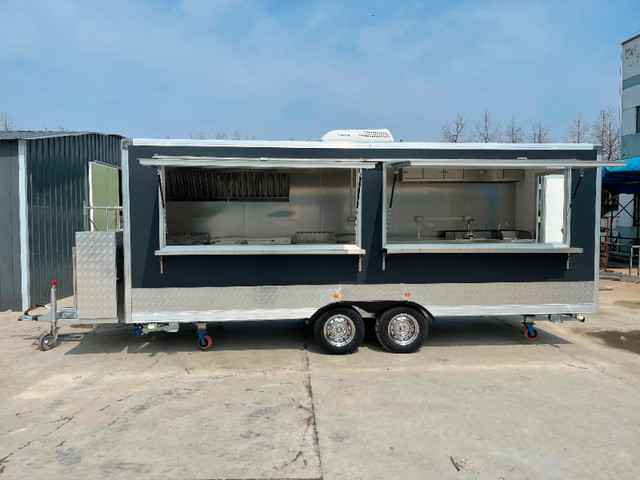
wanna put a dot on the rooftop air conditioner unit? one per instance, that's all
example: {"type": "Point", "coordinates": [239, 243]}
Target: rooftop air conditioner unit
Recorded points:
{"type": "Point", "coordinates": [367, 136]}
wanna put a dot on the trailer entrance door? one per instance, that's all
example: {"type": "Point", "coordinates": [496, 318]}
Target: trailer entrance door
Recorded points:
{"type": "Point", "coordinates": [552, 207]}
{"type": "Point", "coordinates": [104, 191]}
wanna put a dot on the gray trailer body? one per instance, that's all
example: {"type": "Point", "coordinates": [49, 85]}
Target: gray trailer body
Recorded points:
{"type": "Point", "coordinates": [224, 231]}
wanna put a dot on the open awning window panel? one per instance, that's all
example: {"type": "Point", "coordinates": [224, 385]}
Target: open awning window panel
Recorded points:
{"type": "Point", "coordinates": [255, 162]}
{"type": "Point", "coordinates": [551, 164]}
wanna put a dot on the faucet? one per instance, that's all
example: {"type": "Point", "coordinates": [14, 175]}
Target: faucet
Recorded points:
{"type": "Point", "coordinates": [506, 224]}
{"type": "Point", "coordinates": [470, 233]}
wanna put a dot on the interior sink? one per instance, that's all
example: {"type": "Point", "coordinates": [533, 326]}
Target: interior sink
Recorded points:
{"type": "Point", "coordinates": [514, 235]}
{"type": "Point", "coordinates": [477, 235]}
{"type": "Point", "coordinates": [487, 236]}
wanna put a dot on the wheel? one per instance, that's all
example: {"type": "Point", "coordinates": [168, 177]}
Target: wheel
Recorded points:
{"type": "Point", "coordinates": [401, 329]}
{"type": "Point", "coordinates": [204, 342]}
{"type": "Point", "coordinates": [46, 341]}
{"type": "Point", "coordinates": [339, 331]}
{"type": "Point", "coordinates": [528, 334]}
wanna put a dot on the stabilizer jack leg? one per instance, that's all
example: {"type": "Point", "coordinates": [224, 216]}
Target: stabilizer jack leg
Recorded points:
{"type": "Point", "coordinates": [48, 340]}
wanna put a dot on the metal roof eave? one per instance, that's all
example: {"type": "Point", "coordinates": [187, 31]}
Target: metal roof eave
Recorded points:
{"type": "Point", "coordinates": [151, 142]}
{"type": "Point", "coordinates": [502, 163]}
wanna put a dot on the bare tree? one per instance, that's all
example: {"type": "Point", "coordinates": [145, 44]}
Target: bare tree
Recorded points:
{"type": "Point", "coordinates": [486, 130]}
{"type": "Point", "coordinates": [513, 133]}
{"type": "Point", "coordinates": [6, 123]}
{"type": "Point", "coordinates": [539, 133]}
{"type": "Point", "coordinates": [219, 136]}
{"type": "Point", "coordinates": [578, 130]}
{"type": "Point", "coordinates": [606, 132]}
{"type": "Point", "coordinates": [453, 133]}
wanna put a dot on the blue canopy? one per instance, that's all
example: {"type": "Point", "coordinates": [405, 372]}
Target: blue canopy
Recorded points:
{"type": "Point", "coordinates": [622, 179]}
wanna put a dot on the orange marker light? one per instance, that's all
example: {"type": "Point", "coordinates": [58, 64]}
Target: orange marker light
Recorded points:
{"type": "Point", "coordinates": [335, 295]}
{"type": "Point", "coordinates": [407, 294]}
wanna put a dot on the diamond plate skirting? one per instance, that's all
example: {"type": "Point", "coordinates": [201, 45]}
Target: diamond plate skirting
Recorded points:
{"type": "Point", "coordinates": [97, 264]}
{"type": "Point", "coordinates": [439, 299]}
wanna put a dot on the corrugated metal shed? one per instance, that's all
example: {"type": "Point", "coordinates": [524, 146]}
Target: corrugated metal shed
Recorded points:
{"type": "Point", "coordinates": [35, 134]}
{"type": "Point", "coordinates": [10, 272]}
{"type": "Point", "coordinates": [56, 168]}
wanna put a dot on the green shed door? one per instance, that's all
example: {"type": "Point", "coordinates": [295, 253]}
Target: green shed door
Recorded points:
{"type": "Point", "coordinates": [104, 191]}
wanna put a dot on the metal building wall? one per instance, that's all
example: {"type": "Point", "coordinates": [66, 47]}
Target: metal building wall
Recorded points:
{"type": "Point", "coordinates": [630, 147]}
{"type": "Point", "coordinates": [57, 186]}
{"type": "Point", "coordinates": [10, 295]}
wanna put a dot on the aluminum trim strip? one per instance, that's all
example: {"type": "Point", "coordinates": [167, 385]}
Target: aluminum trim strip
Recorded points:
{"type": "Point", "coordinates": [596, 253]}
{"type": "Point", "coordinates": [23, 214]}
{"type": "Point", "coordinates": [496, 247]}
{"type": "Point", "coordinates": [224, 315]}
{"type": "Point", "coordinates": [260, 250]}
{"type": "Point", "coordinates": [483, 310]}
{"type": "Point", "coordinates": [126, 213]}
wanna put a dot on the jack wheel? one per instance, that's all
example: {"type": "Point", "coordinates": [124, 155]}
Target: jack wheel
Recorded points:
{"type": "Point", "coordinates": [531, 334]}
{"type": "Point", "coordinates": [204, 342]}
{"type": "Point", "coordinates": [46, 341]}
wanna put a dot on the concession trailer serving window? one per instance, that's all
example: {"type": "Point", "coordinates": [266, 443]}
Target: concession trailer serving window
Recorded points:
{"type": "Point", "coordinates": [474, 206]}
{"type": "Point", "coordinates": [221, 206]}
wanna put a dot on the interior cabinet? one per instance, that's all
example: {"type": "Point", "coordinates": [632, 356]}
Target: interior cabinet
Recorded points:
{"type": "Point", "coordinates": [435, 174]}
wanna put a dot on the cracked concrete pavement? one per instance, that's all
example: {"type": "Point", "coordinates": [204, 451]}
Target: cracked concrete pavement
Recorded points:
{"type": "Point", "coordinates": [479, 400]}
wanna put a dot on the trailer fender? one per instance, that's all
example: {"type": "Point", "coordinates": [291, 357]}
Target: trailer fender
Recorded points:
{"type": "Point", "coordinates": [311, 320]}
{"type": "Point", "coordinates": [416, 306]}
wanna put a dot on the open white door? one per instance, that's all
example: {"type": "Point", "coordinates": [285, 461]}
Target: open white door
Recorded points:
{"type": "Point", "coordinates": [104, 191]}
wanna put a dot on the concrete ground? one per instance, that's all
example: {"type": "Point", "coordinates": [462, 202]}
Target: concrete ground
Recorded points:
{"type": "Point", "coordinates": [479, 400]}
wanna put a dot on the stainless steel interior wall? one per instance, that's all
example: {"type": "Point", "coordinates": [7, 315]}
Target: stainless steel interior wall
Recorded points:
{"type": "Point", "coordinates": [319, 201]}
{"type": "Point", "coordinates": [442, 207]}
{"type": "Point", "coordinates": [10, 275]}
{"type": "Point", "coordinates": [57, 186]}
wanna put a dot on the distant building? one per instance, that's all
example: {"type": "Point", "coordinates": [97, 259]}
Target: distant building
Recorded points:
{"type": "Point", "coordinates": [45, 180]}
{"type": "Point", "coordinates": [630, 126]}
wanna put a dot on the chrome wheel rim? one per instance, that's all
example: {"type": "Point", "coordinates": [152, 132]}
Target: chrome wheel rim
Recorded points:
{"type": "Point", "coordinates": [339, 331]}
{"type": "Point", "coordinates": [403, 329]}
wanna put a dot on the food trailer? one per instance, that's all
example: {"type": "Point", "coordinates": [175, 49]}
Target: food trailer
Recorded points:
{"type": "Point", "coordinates": [352, 228]}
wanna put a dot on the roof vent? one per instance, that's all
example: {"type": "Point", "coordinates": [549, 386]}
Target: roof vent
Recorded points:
{"type": "Point", "coordinates": [368, 136]}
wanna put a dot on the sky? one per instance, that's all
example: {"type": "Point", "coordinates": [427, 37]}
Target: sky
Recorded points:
{"type": "Point", "coordinates": [279, 70]}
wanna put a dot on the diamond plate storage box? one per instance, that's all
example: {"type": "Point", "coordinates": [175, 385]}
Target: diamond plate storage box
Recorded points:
{"type": "Point", "coordinates": [99, 273]}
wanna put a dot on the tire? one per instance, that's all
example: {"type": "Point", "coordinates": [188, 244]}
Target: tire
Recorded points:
{"type": "Point", "coordinates": [401, 329]}
{"type": "Point", "coordinates": [339, 331]}
{"type": "Point", "coordinates": [46, 342]}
